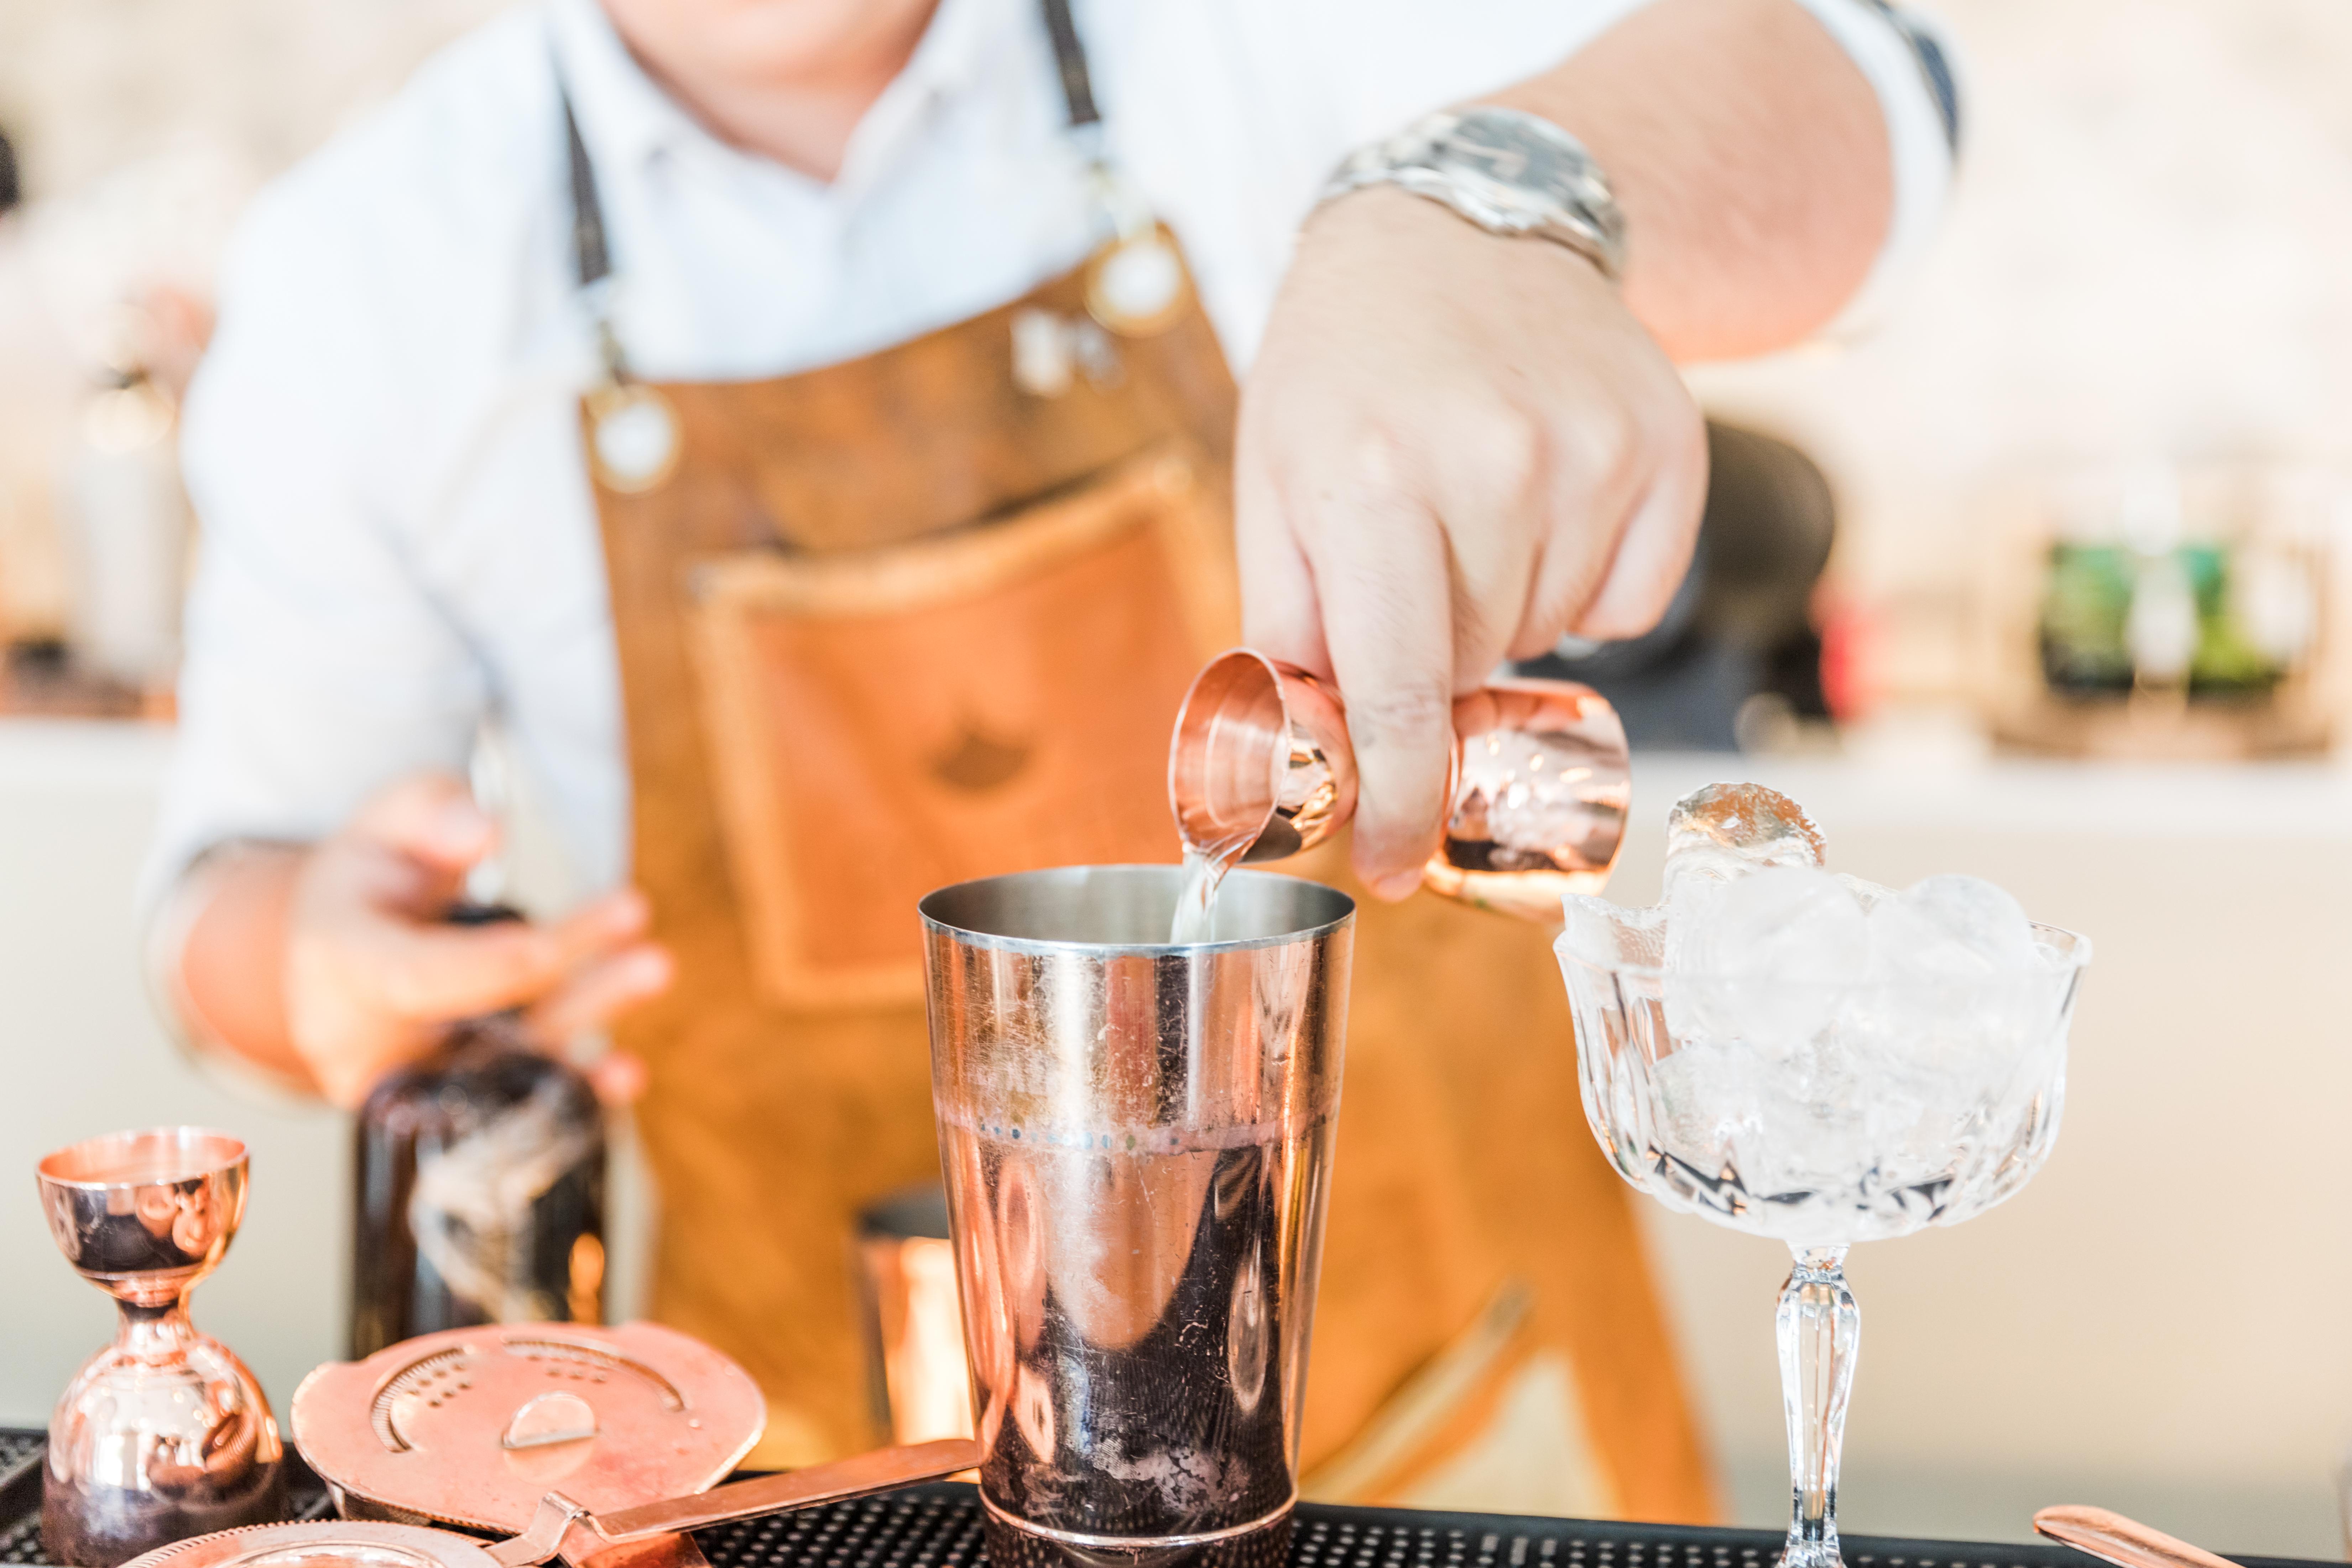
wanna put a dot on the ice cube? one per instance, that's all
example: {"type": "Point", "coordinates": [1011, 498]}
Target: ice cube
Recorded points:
{"type": "Point", "coordinates": [1868, 894]}
{"type": "Point", "coordinates": [1951, 928]}
{"type": "Point", "coordinates": [1753, 825]}
{"type": "Point", "coordinates": [1785, 923]}
{"type": "Point", "coordinates": [1609, 935]}
{"type": "Point", "coordinates": [1710, 1096]}
{"type": "Point", "coordinates": [1957, 996]}
{"type": "Point", "coordinates": [1766, 958]}
{"type": "Point", "coordinates": [1692, 898]}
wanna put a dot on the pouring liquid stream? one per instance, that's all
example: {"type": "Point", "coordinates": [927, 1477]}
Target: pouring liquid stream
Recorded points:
{"type": "Point", "coordinates": [1205, 866]}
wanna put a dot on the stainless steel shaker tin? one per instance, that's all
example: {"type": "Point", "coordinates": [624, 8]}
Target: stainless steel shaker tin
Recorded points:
{"type": "Point", "coordinates": [1137, 1139]}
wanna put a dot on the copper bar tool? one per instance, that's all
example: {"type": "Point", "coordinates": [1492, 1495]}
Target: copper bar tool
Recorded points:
{"type": "Point", "coordinates": [564, 1528]}
{"type": "Point", "coordinates": [472, 1426]}
{"type": "Point", "coordinates": [1260, 767]}
{"type": "Point", "coordinates": [164, 1433]}
{"type": "Point", "coordinates": [913, 1320]}
{"type": "Point", "coordinates": [2126, 1543]}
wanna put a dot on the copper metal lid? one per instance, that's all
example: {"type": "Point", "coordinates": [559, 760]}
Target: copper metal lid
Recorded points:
{"type": "Point", "coordinates": [650, 1535]}
{"type": "Point", "coordinates": [474, 1426]}
{"type": "Point", "coordinates": [350, 1544]}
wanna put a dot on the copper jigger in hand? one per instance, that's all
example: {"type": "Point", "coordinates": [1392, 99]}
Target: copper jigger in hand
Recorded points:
{"type": "Point", "coordinates": [164, 1433]}
{"type": "Point", "coordinates": [1260, 768]}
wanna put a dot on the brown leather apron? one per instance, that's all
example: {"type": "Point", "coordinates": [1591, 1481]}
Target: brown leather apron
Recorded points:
{"type": "Point", "coordinates": [928, 615]}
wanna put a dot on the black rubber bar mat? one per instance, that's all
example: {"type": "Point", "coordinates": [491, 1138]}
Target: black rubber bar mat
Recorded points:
{"type": "Point", "coordinates": [937, 1526]}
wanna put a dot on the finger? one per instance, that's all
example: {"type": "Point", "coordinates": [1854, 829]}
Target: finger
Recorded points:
{"type": "Point", "coordinates": [600, 927]}
{"type": "Point", "coordinates": [1491, 505]}
{"type": "Point", "coordinates": [1582, 539]}
{"type": "Point", "coordinates": [433, 973]}
{"type": "Point", "coordinates": [424, 971]}
{"type": "Point", "coordinates": [1381, 564]}
{"type": "Point", "coordinates": [1279, 613]}
{"type": "Point", "coordinates": [618, 1079]}
{"type": "Point", "coordinates": [430, 818]}
{"type": "Point", "coordinates": [593, 996]}
{"type": "Point", "coordinates": [1655, 550]}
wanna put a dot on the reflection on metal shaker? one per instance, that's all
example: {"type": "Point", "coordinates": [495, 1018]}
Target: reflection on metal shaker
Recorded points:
{"type": "Point", "coordinates": [1138, 1140]}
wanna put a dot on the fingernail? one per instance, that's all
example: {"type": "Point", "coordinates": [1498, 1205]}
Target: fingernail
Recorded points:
{"type": "Point", "coordinates": [619, 1079]}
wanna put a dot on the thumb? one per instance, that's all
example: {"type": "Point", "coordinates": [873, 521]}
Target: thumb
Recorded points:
{"type": "Point", "coordinates": [430, 818]}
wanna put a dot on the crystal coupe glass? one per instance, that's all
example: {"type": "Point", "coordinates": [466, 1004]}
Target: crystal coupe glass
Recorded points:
{"type": "Point", "coordinates": [1820, 1115]}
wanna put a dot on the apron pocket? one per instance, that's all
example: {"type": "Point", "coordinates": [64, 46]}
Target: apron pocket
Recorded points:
{"type": "Point", "coordinates": [992, 699]}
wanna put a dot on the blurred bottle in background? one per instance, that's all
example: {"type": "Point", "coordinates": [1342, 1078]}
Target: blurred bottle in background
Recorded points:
{"type": "Point", "coordinates": [125, 522]}
{"type": "Point", "coordinates": [104, 312]}
{"type": "Point", "coordinates": [2157, 609]}
{"type": "Point", "coordinates": [1736, 661]}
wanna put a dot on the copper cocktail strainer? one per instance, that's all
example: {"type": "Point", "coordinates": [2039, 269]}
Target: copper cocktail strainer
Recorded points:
{"type": "Point", "coordinates": [473, 1426]}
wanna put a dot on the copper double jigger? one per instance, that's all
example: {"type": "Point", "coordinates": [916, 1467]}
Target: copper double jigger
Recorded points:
{"type": "Point", "coordinates": [1260, 768]}
{"type": "Point", "coordinates": [164, 1433]}
{"type": "Point", "coordinates": [561, 1528]}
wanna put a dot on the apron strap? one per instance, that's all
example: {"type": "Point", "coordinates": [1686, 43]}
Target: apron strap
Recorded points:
{"type": "Point", "coordinates": [592, 257]}
{"type": "Point", "coordinates": [592, 262]}
{"type": "Point", "coordinates": [1070, 60]}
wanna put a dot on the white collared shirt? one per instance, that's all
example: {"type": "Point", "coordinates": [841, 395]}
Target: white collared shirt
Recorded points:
{"type": "Point", "coordinates": [383, 445]}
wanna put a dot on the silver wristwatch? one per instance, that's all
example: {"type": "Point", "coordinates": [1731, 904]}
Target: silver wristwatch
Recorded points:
{"type": "Point", "coordinates": [1510, 172]}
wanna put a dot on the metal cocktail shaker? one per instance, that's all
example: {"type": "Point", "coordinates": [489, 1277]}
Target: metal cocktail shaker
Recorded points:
{"type": "Point", "coordinates": [1137, 1140]}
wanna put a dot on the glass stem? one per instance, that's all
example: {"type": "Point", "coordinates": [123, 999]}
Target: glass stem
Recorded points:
{"type": "Point", "coordinates": [1820, 1330]}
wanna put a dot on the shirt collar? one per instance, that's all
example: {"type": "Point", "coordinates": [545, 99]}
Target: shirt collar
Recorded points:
{"type": "Point", "coordinates": [623, 117]}
{"type": "Point", "coordinates": [627, 119]}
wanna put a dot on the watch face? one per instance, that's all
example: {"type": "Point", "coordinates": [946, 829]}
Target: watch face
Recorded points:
{"type": "Point", "coordinates": [1529, 175]}
{"type": "Point", "coordinates": [1500, 152]}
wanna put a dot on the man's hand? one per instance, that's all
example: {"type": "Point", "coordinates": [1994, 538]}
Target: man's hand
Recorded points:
{"type": "Point", "coordinates": [1454, 448]}
{"type": "Point", "coordinates": [368, 976]}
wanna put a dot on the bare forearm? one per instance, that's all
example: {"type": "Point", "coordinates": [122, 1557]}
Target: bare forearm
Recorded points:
{"type": "Point", "coordinates": [228, 976]}
{"type": "Point", "coordinates": [1750, 157]}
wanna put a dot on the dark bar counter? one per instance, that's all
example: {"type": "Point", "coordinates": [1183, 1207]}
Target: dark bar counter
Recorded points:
{"type": "Point", "coordinates": [937, 1526]}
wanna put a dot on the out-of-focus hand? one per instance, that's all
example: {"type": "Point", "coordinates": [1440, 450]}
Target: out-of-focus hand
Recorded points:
{"type": "Point", "coordinates": [373, 977]}
{"type": "Point", "coordinates": [1454, 448]}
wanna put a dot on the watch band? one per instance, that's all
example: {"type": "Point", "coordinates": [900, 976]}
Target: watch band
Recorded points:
{"type": "Point", "coordinates": [1510, 172]}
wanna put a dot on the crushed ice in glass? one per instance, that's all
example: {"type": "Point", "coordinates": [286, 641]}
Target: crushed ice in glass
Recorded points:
{"type": "Point", "coordinates": [1810, 1054]}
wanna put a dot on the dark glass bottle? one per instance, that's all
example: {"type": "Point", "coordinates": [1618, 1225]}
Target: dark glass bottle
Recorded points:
{"type": "Point", "coordinates": [479, 1192]}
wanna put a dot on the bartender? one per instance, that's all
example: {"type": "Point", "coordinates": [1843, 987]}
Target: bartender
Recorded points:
{"type": "Point", "coordinates": [809, 430]}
